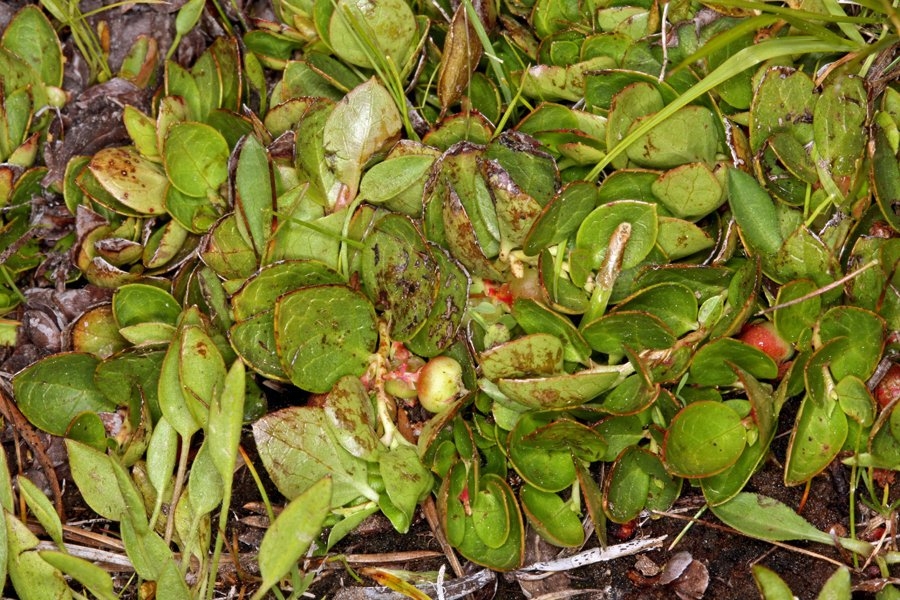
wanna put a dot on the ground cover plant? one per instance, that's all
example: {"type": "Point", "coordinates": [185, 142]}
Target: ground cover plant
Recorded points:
{"type": "Point", "coordinates": [536, 270]}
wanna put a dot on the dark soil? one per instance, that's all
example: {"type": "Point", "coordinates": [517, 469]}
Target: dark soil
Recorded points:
{"type": "Point", "coordinates": [93, 121]}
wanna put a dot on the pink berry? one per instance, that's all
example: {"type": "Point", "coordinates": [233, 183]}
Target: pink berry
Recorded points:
{"type": "Point", "coordinates": [764, 336]}
{"type": "Point", "coordinates": [888, 389]}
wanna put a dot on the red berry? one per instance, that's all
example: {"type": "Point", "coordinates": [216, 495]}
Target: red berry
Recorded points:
{"type": "Point", "coordinates": [888, 389]}
{"type": "Point", "coordinates": [764, 336]}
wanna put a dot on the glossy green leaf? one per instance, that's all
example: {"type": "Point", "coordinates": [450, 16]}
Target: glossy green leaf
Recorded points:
{"type": "Point", "coordinates": [141, 303]}
{"type": "Point", "coordinates": [561, 217]}
{"type": "Point", "coordinates": [792, 322]}
{"type": "Point", "coordinates": [365, 122]}
{"type": "Point", "coordinates": [754, 212]}
{"type": "Point", "coordinates": [865, 328]}
{"type": "Point", "coordinates": [818, 435]}
{"type": "Point", "coordinates": [679, 239]}
{"type": "Point", "coordinates": [703, 439]}
{"type": "Point", "coordinates": [615, 331]}
{"type": "Point", "coordinates": [254, 194]}
{"type": "Point", "coordinates": [673, 303]}
{"type": "Point", "coordinates": [196, 158]}
{"type": "Point", "coordinates": [561, 391]}
{"type": "Point", "coordinates": [397, 183]}
{"type": "Point", "coordinates": [764, 404]}
{"type": "Point", "coordinates": [96, 332]}
{"type": "Point", "coordinates": [323, 333]}
{"type": "Point", "coordinates": [510, 554]}
{"type": "Point", "coordinates": [637, 481]}
{"type": "Point", "coordinates": [397, 270]}
{"type": "Point", "coordinates": [534, 317]}
{"type": "Point", "coordinates": [50, 393]}
{"type": "Point", "coordinates": [30, 36]}
{"type": "Point", "coordinates": [351, 418]}
{"type": "Point", "coordinates": [597, 228]}
{"type": "Point", "coordinates": [554, 519]}
{"type": "Point", "coordinates": [711, 363]}
{"type": "Point", "coordinates": [537, 354]}
{"type": "Point", "coordinates": [548, 469]}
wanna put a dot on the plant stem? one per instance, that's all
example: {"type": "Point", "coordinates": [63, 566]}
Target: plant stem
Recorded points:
{"type": "Point", "coordinates": [179, 486]}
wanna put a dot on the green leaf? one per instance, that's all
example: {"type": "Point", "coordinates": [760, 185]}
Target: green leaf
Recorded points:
{"type": "Point", "coordinates": [205, 488]}
{"type": "Point", "coordinates": [93, 578]}
{"type": "Point", "coordinates": [361, 31]}
{"type": "Point", "coordinates": [564, 390]}
{"type": "Point", "coordinates": [254, 194]}
{"type": "Point", "coordinates": [406, 481]}
{"type": "Point", "coordinates": [754, 212]}
{"type": "Point", "coordinates": [226, 415]}
{"type": "Point", "coordinates": [365, 122]}
{"type": "Point", "coordinates": [196, 158]}
{"type": "Point", "coordinates": [51, 392]}
{"type": "Point", "coordinates": [690, 135]}
{"type": "Point", "coordinates": [149, 554]}
{"type": "Point", "coordinates": [554, 519]}
{"type": "Point", "coordinates": [298, 449]}
{"type": "Point", "coordinates": [712, 363]}
{"type": "Point", "coordinates": [32, 577]}
{"type": "Point", "coordinates": [171, 583]}
{"type": "Point", "coordinates": [161, 455]}
{"type": "Point", "coordinates": [771, 586]}
{"type": "Point", "coordinates": [837, 587]}
{"type": "Point", "coordinates": [703, 439]}
{"type": "Point", "coordinates": [818, 435]}
{"type": "Point", "coordinates": [561, 217]}
{"type": "Point", "coordinates": [173, 402]}
{"type": "Point", "coordinates": [351, 418]}
{"type": "Point", "coordinates": [597, 228]}
{"type": "Point", "coordinates": [398, 272]}
{"type": "Point", "coordinates": [292, 532]}
{"type": "Point", "coordinates": [324, 332]}
{"type": "Point", "coordinates": [30, 36]}
{"type": "Point", "coordinates": [42, 508]}
{"type": "Point", "coordinates": [133, 180]}
{"type": "Point", "coordinates": [536, 354]}
{"type": "Point", "coordinates": [440, 328]}
{"type": "Point", "coordinates": [765, 518]}
{"type": "Point", "coordinates": [201, 371]}
{"type": "Point", "coordinates": [839, 126]}
{"type": "Point", "coordinates": [138, 303]}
